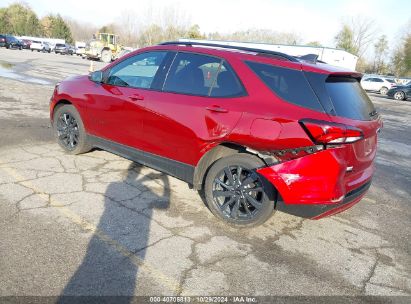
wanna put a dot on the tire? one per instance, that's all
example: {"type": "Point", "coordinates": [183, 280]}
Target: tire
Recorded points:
{"type": "Point", "coordinates": [69, 130]}
{"type": "Point", "coordinates": [383, 91]}
{"type": "Point", "coordinates": [49, 51]}
{"type": "Point", "coordinates": [227, 198]}
{"type": "Point", "coordinates": [106, 56]}
{"type": "Point", "coordinates": [399, 95]}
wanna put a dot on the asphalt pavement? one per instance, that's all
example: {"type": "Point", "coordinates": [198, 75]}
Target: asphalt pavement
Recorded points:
{"type": "Point", "coordinates": [98, 224]}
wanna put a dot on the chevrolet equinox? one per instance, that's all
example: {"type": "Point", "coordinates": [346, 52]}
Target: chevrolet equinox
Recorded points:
{"type": "Point", "coordinates": [254, 130]}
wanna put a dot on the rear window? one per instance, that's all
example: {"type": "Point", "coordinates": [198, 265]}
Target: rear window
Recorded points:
{"type": "Point", "coordinates": [390, 80]}
{"type": "Point", "coordinates": [349, 99]}
{"type": "Point", "coordinates": [291, 85]}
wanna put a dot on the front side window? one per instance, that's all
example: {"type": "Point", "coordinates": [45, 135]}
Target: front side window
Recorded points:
{"type": "Point", "coordinates": [138, 71]}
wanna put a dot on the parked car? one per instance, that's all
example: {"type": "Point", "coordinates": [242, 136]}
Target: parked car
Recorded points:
{"type": "Point", "coordinates": [46, 47]}
{"type": "Point", "coordinates": [26, 43]}
{"type": "Point", "coordinates": [40, 46]}
{"type": "Point", "coordinates": [2, 40]}
{"type": "Point", "coordinates": [400, 92]}
{"type": "Point", "coordinates": [71, 50]}
{"type": "Point", "coordinates": [61, 49]}
{"type": "Point", "coordinates": [80, 50]}
{"type": "Point", "coordinates": [254, 130]}
{"type": "Point", "coordinates": [377, 84]}
{"type": "Point", "coordinates": [10, 42]}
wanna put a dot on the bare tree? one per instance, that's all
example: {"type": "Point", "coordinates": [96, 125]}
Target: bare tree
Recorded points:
{"type": "Point", "coordinates": [356, 35]}
{"type": "Point", "coordinates": [81, 31]}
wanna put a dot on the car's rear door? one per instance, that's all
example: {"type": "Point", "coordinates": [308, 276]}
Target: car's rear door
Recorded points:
{"type": "Point", "coordinates": [199, 104]}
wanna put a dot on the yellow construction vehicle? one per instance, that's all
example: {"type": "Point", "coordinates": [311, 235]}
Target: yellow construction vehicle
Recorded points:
{"type": "Point", "coordinates": [103, 46]}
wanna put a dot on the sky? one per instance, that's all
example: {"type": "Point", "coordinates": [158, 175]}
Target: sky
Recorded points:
{"type": "Point", "coordinates": [312, 20]}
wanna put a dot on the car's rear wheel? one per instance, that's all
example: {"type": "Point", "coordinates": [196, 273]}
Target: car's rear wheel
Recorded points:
{"type": "Point", "coordinates": [383, 91]}
{"type": "Point", "coordinates": [399, 95]}
{"type": "Point", "coordinates": [69, 130]}
{"type": "Point", "coordinates": [236, 193]}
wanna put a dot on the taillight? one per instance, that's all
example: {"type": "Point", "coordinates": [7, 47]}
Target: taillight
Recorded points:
{"type": "Point", "coordinates": [328, 133]}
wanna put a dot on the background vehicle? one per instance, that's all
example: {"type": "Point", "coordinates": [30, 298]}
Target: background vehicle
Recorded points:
{"type": "Point", "coordinates": [40, 46]}
{"type": "Point", "coordinates": [2, 40]}
{"type": "Point", "coordinates": [105, 47]}
{"type": "Point", "coordinates": [252, 129]}
{"type": "Point", "coordinates": [10, 42]}
{"type": "Point", "coordinates": [377, 84]}
{"type": "Point", "coordinates": [61, 49]}
{"type": "Point", "coordinates": [26, 43]}
{"type": "Point", "coordinates": [71, 49]}
{"type": "Point", "coordinates": [80, 50]}
{"type": "Point", "coordinates": [46, 47]}
{"type": "Point", "coordinates": [400, 92]}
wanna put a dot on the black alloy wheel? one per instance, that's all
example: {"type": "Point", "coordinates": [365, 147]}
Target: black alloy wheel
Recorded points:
{"type": "Point", "coordinates": [238, 192]}
{"type": "Point", "coordinates": [68, 131]}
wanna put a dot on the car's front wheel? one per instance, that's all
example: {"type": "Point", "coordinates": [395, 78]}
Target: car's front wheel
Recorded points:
{"type": "Point", "coordinates": [69, 130]}
{"type": "Point", "coordinates": [236, 193]}
{"type": "Point", "coordinates": [399, 95]}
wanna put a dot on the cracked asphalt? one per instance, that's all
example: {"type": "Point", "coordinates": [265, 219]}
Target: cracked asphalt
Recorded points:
{"type": "Point", "coordinates": [97, 224]}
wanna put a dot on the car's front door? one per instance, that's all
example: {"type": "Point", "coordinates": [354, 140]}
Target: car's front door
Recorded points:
{"type": "Point", "coordinates": [116, 106]}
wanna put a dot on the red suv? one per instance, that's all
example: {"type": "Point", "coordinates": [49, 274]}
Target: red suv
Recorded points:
{"type": "Point", "coordinates": [255, 130]}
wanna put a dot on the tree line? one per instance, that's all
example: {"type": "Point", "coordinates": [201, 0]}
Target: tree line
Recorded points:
{"type": "Point", "coordinates": [357, 35]}
{"type": "Point", "coordinates": [20, 20]}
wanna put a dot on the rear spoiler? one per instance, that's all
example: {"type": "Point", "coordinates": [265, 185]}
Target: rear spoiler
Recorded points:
{"type": "Point", "coordinates": [353, 74]}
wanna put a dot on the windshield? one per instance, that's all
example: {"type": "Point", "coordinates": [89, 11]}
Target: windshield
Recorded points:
{"type": "Point", "coordinates": [349, 99]}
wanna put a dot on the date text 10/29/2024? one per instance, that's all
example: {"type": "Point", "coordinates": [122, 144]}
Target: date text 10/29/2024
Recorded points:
{"type": "Point", "coordinates": [205, 299]}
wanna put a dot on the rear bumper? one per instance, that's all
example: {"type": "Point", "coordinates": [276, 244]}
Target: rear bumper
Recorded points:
{"type": "Point", "coordinates": [319, 184]}
{"type": "Point", "coordinates": [317, 211]}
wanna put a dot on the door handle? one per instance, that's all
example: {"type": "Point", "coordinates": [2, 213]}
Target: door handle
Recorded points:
{"type": "Point", "coordinates": [136, 97]}
{"type": "Point", "coordinates": [216, 108]}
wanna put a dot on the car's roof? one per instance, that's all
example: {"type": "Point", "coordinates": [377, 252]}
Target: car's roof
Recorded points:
{"type": "Point", "coordinates": [228, 53]}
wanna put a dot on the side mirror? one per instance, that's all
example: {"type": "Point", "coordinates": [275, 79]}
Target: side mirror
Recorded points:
{"type": "Point", "coordinates": [96, 76]}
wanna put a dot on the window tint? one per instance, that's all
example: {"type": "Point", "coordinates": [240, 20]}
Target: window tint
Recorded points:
{"type": "Point", "coordinates": [349, 99]}
{"type": "Point", "coordinates": [378, 80]}
{"type": "Point", "coordinates": [290, 85]}
{"type": "Point", "coordinates": [227, 83]}
{"type": "Point", "coordinates": [137, 71]}
{"type": "Point", "coordinates": [192, 74]}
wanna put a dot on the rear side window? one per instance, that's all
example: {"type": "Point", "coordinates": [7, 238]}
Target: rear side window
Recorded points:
{"type": "Point", "coordinates": [349, 99]}
{"type": "Point", "coordinates": [227, 83]}
{"type": "Point", "coordinates": [192, 74]}
{"type": "Point", "coordinates": [291, 85]}
{"type": "Point", "coordinates": [202, 75]}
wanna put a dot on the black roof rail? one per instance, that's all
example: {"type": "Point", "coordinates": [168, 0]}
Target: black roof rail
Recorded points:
{"type": "Point", "coordinates": [240, 48]}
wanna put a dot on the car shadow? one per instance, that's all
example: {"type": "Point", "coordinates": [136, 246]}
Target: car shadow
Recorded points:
{"type": "Point", "coordinates": [106, 270]}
